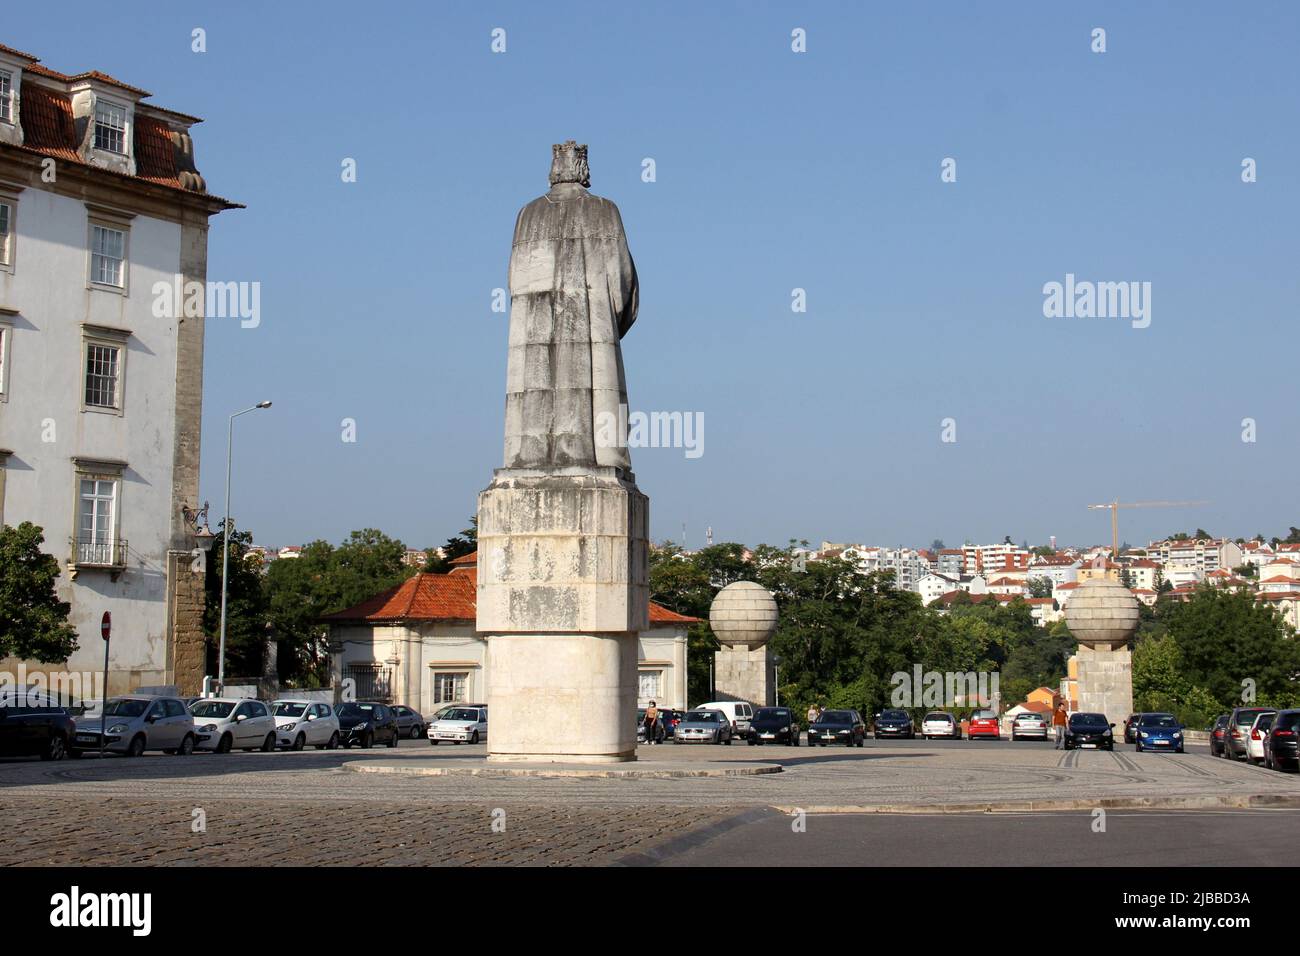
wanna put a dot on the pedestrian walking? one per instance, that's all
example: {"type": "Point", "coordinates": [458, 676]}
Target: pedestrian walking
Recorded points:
{"type": "Point", "coordinates": [652, 724]}
{"type": "Point", "coordinates": [1058, 724]}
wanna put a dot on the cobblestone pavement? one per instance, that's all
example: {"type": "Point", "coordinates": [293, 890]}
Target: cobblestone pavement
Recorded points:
{"type": "Point", "coordinates": [302, 808]}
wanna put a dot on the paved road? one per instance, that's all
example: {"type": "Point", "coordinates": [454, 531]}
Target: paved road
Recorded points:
{"type": "Point", "coordinates": [303, 808]}
{"type": "Point", "coordinates": [1142, 838]}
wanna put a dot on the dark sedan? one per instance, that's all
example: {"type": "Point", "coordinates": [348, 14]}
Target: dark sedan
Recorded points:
{"type": "Point", "coordinates": [1089, 732]}
{"type": "Point", "coordinates": [35, 731]}
{"type": "Point", "coordinates": [775, 725]}
{"type": "Point", "coordinates": [1218, 735]}
{"type": "Point", "coordinates": [1282, 747]}
{"type": "Point", "coordinates": [366, 723]}
{"type": "Point", "coordinates": [837, 727]}
{"type": "Point", "coordinates": [409, 722]}
{"type": "Point", "coordinates": [895, 723]}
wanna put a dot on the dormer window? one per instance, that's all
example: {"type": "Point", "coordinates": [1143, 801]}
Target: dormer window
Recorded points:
{"type": "Point", "coordinates": [6, 97]}
{"type": "Point", "coordinates": [110, 127]}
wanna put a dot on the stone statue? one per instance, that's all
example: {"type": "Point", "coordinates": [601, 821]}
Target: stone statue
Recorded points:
{"type": "Point", "coordinates": [573, 292]}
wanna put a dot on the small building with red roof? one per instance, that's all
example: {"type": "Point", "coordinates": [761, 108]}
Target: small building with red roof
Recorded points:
{"type": "Point", "coordinates": [417, 644]}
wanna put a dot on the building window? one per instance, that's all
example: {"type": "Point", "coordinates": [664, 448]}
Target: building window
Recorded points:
{"type": "Point", "coordinates": [107, 256]}
{"type": "Point", "coordinates": [103, 368]}
{"type": "Point", "coordinates": [449, 688]}
{"type": "Point", "coordinates": [110, 127]}
{"type": "Point", "coordinates": [6, 233]}
{"type": "Point", "coordinates": [96, 530]}
{"type": "Point", "coordinates": [648, 684]}
{"type": "Point", "coordinates": [6, 96]}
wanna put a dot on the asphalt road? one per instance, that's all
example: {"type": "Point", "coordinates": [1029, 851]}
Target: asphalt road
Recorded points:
{"type": "Point", "coordinates": [1131, 838]}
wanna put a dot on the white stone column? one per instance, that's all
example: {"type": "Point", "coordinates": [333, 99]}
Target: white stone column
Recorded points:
{"type": "Point", "coordinates": [562, 594]}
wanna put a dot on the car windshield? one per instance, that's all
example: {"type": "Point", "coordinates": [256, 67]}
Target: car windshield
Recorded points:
{"type": "Point", "coordinates": [212, 708]}
{"type": "Point", "coordinates": [938, 718]}
{"type": "Point", "coordinates": [983, 715]}
{"type": "Point", "coordinates": [893, 715]}
{"type": "Point", "coordinates": [1088, 720]}
{"type": "Point", "coordinates": [771, 713]}
{"type": "Point", "coordinates": [461, 713]}
{"type": "Point", "coordinates": [357, 710]}
{"type": "Point", "coordinates": [1247, 717]}
{"type": "Point", "coordinates": [287, 708]}
{"type": "Point", "coordinates": [703, 717]}
{"type": "Point", "coordinates": [126, 707]}
{"type": "Point", "coordinates": [1265, 721]}
{"type": "Point", "coordinates": [1158, 720]}
{"type": "Point", "coordinates": [836, 717]}
{"type": "Point", "coordinates": [1030, 717]}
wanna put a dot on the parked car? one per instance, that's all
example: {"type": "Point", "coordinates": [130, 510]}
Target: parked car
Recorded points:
{"type": "Point", "coordinates": [460, 725]}
{"type": "Point", "coordinates": [984, 723]}
{"type": "Point", "coordinates": [1282, 749]}
{"type": "Point", "coordinates": [894, 723]}
{"type": "Point", "coordinates": [704, 726]}
{"type": "Point", "coordinates": [223, 724]}
{"type": "Point", "coordinates": [1158, 732]}
{"type": "Point", "coordinates": [134, 724]}
{"type": "Point", "coordinates": [837, 727]}
{"type": "Point", "coordinates": [940, 724]}
{"type": "Point", "coordinates": [1089, 731]}
{"type": "Point", "coordinates": [1257, 739]}
{"type": "Point", "coordinates": [302, 723]}
{"type": "Point", "coordinates": [1218, 735]}
{"type": "Point", "coordinates": [1130, 727]}
{"type": "Point", "coordinates": [664, 726]}
{"type": "Point", "coordinates": [776, 725]}
{"type": "Point", "coordinates": [1029, 725]}
{"type": "Point", "coordinates": [35, 728]}
{"type": "Point", "coordinates": [1238, 732]}
{"type": "Point", "coordinates": [409, 722]}
{"type": "Point", "coordinates": [366, 723]}
{"type": "Point", "coordinates": [738, 712]}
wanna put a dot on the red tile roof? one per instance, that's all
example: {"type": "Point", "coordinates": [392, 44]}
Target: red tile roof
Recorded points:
{"type": "Point", "coordinates": [471, 559]}
{"type": "Point", "coordinates": [447, 597]}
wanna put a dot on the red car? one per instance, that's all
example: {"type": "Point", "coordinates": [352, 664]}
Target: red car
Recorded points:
{"type": "Point", "coordinates": [984, 723]}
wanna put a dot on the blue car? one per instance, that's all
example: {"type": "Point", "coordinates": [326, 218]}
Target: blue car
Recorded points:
{"type": "Point", "coordinates": [1158, 732]}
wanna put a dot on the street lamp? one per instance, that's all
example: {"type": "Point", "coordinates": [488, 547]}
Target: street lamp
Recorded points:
{"type": "Point", "coordinates": [226, 526]}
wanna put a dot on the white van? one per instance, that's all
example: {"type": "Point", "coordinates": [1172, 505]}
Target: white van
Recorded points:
{"type": "Point", "coordinates": [739, 712]}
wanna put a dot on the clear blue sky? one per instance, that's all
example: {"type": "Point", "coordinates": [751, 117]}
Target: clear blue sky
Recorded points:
{"type": "Point", "coordinates": [775, 171]}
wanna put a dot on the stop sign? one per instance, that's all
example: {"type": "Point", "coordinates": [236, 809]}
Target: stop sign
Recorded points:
{"type": "Point", "coordinates": [105, 625]}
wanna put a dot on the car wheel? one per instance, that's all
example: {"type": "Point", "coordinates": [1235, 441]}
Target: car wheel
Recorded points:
{"type": "Point", "coordinates": [862, 741]}
{"type": "Point", "coordinates": [753, 742]}
{"type": "Point", "coordinates": [334, 741]}
{"type": "Point", "coordinates": [223, 745]}
{"type": "Point", "coordinates": [55, 748]}
{"type": "Point", "coordinates": [1137, 747]}
{"type": "Point", "coordinates": [187, 746]}
{"type": "Point", "coordinates": [473, 738]}
{"type": "Point", "coordinates": [136, 747]}
{"type": "Point", "coordinates": [393, 742]}
{"type": "Point", "coordinates": [727, 741]}
{"type": "Point", "coordinates": [299, 742]}
{"type": "Point", "coordinates": [1180, 750]}
{"type": "Point", "coordinates": [268, 744]}
{"type": "Point", "coordinates": [432, 742]}
{"type": "Point", "coordinates": [415, 732]}
{"type": "Point", "coordinates": [367, 741]}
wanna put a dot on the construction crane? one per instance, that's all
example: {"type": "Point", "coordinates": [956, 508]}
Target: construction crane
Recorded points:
{"type": "Point", "coordinates": [1115, 505]}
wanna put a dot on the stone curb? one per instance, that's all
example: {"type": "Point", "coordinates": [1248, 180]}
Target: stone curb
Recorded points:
{"type": "Point", "coordinates": [1243, 801]}
{"type": "Point", "coordinates": [641, 773]}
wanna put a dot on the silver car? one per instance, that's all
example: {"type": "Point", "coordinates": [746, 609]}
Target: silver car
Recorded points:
{"type": "Point", "coordinates": [703, 727]}
{"type": "Point", "coordinates": [1029, 725]}
{"type": "Point", "coordinates": [223, 724]}
{"type": "Point", "coordinates": [134, 724]}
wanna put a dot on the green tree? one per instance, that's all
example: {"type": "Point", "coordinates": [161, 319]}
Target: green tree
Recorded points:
{"type": "Point", "coordinates": [246, 631]}
{"type": "Point", "coordinates": [457, 546]}
{"type": "Point", "coordinates": [322, 580]}
{"type": "Point", "coordinates": [33, 621]}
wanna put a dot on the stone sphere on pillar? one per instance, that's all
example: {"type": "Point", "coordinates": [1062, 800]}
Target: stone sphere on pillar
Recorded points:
{"type": "Point", "coordinates": [1102, 614]}
{"type": "Point", "coordinates": [743, 614]}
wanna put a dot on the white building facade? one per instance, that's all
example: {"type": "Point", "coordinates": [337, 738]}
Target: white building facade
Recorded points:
{"type": "Point", "coordinates": [100, 397]}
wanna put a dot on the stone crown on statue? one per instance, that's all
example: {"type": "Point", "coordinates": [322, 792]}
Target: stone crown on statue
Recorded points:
{"type": "Point", "coordinates": [569, 163]}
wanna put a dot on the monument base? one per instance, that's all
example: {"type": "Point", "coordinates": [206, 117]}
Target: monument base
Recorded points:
{"type": "Point", "coordinates": [1106, 682]}
{"type": "Point", "coordinates": [561, 698]}
{"type": "Point", "coordinates": [744, 674]}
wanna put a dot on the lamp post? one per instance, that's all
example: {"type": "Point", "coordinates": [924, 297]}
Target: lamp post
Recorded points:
{"type": "Point", "coordinates": [225, 544]}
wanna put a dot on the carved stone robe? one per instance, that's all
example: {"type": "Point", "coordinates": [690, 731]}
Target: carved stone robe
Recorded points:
{"type": "Point", "coordinates": [573, 296]}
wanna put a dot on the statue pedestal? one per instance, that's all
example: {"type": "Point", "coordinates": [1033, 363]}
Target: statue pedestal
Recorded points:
{"type": "Point", "coordinates": [562, 596]}
{"type": "Point", "coordinates": [1106, 681]}
{"type": "Point", "coordinates": [743, 674]}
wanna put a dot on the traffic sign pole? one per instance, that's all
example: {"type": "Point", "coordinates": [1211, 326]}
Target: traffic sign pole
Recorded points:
{"type": "Point", "coordinates": [105, 629]}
